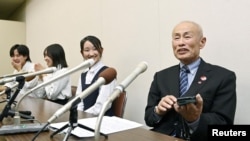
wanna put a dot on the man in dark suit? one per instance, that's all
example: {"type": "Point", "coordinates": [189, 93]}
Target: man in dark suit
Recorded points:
{"type": "Point", "coordinates": [214, 88]}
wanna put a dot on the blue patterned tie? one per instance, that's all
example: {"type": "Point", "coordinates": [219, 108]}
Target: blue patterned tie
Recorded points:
{"type": "Point", "coordinates": [183, 80]}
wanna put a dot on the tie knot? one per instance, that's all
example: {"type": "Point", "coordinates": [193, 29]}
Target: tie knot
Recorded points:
{"type": "Point", "coordinates": [185, 69]}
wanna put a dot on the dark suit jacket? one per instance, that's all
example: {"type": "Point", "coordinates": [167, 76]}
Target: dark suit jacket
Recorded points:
{"type": "Point", "coordinates": [218, 91]}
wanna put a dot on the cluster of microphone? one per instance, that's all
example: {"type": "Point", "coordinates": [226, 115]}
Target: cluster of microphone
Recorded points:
{"type": "Point", "coordinates": [105, 77]}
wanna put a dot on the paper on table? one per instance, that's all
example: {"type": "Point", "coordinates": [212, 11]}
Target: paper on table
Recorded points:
{"type": "Point", "coordinates": [109, 125]}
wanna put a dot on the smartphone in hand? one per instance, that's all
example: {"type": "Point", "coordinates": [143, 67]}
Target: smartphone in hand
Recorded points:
{"type": "Point", "coordinates": [185, 100]}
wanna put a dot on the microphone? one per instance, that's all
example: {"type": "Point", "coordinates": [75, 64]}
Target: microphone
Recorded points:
{"type": "Point", "coordinates": [47, 70]}
{"type": "Point", "coordinates": [105, 77]}
{"type": "Point", "coordinates": [84, 64]}
{"type": "Point", "coordinates": [142, 67]}
{"type": "Point", "coordinates": [11, 75]}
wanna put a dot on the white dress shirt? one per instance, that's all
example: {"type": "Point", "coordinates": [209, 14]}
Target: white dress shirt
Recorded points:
{"type": "Point", "coordinates": [27, 67]}
{"type": "Point", "coordinates": [59, 89]}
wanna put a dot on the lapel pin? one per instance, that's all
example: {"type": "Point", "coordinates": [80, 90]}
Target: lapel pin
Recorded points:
{"type": "Point", "coordinates": [203, 78]}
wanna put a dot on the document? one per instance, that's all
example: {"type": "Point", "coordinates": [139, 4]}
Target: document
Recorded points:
{"type": "Point", "coordinates": [109, 125]}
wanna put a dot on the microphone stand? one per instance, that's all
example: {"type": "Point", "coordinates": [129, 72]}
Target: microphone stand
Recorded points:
{"type": "Point", "coordinates": [120, 88]}
{"type": "Point", "coordinates": [7, 109]}
{"type": "Point", "coordinates": [114, 95]}
{"type": "Point", "coordinates": [73, 117]}
{"type": "Point", "coordinates": [72, 121]}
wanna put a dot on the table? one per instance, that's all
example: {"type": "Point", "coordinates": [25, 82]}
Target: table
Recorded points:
{"type": "Point", "coordinates": [43, 110]}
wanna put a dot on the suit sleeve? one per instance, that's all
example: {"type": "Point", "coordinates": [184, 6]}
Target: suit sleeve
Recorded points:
{"type": "Point", "coordinates": [153, 99]}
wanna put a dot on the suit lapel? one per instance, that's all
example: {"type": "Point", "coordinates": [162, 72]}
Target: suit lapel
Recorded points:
{"type": "Point", "coordinates": [173, 82]}
{"type": "Point", "coordinates": [201, 77]}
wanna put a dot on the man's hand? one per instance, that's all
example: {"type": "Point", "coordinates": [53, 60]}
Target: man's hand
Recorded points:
{"type": "Point", "coordinates": [165, 104]}
{"type": "Point", "coordinates": [192, 111]}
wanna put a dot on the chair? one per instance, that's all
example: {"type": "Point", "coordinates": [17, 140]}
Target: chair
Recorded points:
{"type": "Point", "coordinates": [119, 104]}
{"type": "Point", "coordinates": [73, 90]}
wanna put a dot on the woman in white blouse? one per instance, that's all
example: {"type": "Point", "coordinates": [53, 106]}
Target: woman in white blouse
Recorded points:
{"type": "Point", "coordinates": [91, 48]}
{"type": "Point", "coordinates": [58, 91]}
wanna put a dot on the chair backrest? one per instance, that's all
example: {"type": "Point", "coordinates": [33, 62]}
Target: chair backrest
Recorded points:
{"type": "Point", "coordinates": [119, 104]}
{"type": "Point", "coordinates": [73, 90]}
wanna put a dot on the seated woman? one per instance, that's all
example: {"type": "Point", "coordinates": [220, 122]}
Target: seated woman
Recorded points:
{"type": "Point", "coordinates": [21, 62]}
{"type": "Point", "coordinates": [58, 91]}
{"type": "Point", "coordinates": [91, 48]}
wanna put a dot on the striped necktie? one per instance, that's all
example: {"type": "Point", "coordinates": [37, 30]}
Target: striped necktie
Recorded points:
{"type": "Point", "coordinates": [184, 80]}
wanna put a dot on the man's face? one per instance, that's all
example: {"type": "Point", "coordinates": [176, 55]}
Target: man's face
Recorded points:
{"type": "Point", "coordinates": [187, 41]}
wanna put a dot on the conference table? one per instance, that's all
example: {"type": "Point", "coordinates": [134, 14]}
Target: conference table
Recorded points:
{"type": "Point", "coordinates": [42, 110]}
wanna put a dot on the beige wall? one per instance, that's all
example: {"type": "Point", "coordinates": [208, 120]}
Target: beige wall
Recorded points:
{"type": "Point", "coordinates": [11, 33]}
{"type": "Point", "coordinates": [140, 30]}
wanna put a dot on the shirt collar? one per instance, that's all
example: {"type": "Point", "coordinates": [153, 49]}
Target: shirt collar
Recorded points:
{"type": "Point", "coordinates": [26, 66]}
{"type": "Point", "coordinates": [96, 67]}
{"type": "Point", "coordinates": [193, 67]}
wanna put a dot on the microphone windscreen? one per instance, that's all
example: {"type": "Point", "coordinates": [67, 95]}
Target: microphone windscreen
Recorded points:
{"type": "Point", "coordinates": [143, 66]}
{"type": "Point", "coordinates": [108, 74]}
